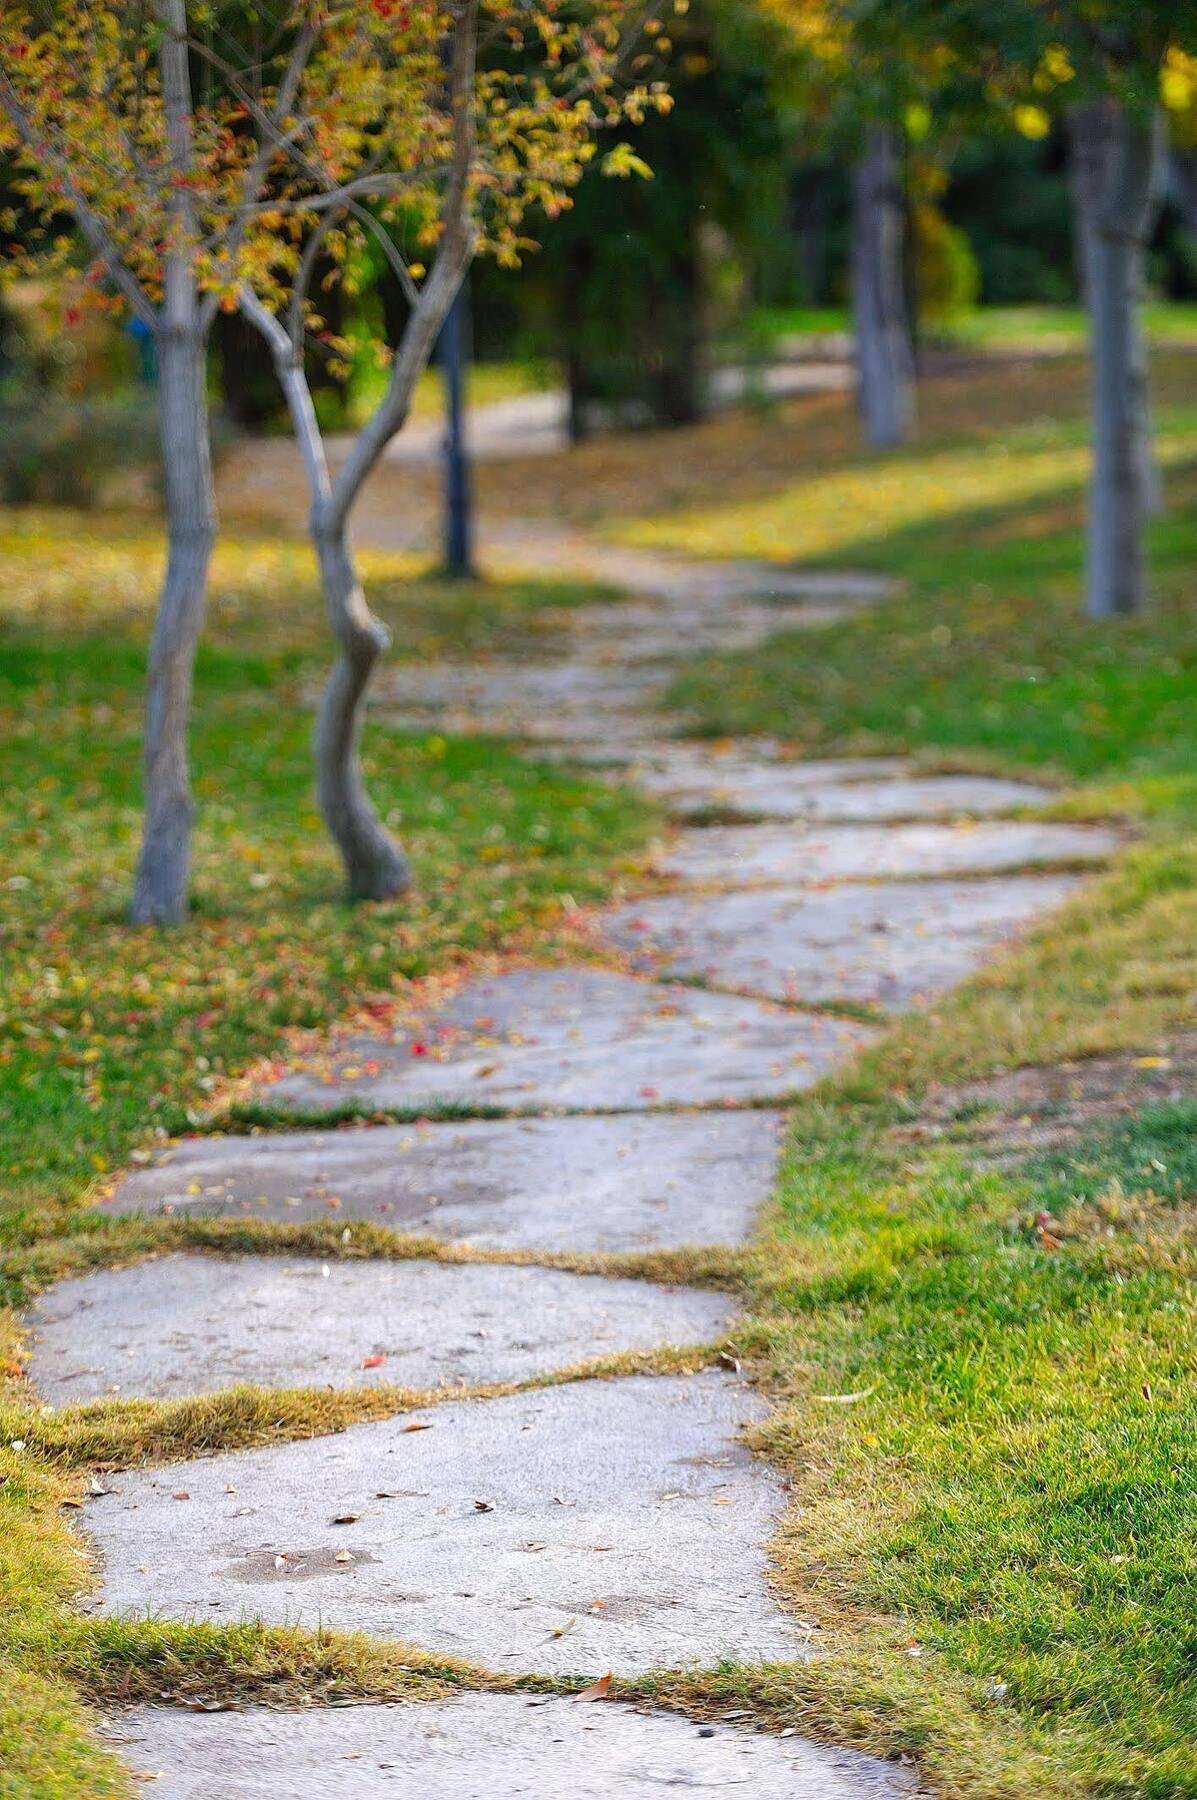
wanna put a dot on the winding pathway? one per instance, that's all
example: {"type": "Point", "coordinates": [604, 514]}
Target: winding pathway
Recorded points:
{"type": "Point", "coordinates": [633, 1104]}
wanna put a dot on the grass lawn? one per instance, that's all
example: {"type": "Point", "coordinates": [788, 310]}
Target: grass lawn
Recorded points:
{"type": "Point", "coordinates": [984, 1371]}
{"type": "Point", "coordinates": [108, 1036]}
{"type": "Point", "coordinates": [997, 1533]}
{"type": "Point", "coordinates": [988, 327]}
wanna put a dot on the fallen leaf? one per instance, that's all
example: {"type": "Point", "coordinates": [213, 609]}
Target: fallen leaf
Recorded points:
{"type": "Point", "coordinates": [484, 1506]}
{"type": "Point", "coordinates": [344, 1556]}
{"type": "Point", "coordinates": [181, 1495]}
{"type": "Point", "coordinates": [418, 1425]}
{"type": "Point", "coordinates": [598, 1690]}
{"type": "Point", "coordinates": [374, 1362]}
{"type": "Point", "coordinates": [560, 1631]}
{"type": "Point", "coordinates": [345, 1519]}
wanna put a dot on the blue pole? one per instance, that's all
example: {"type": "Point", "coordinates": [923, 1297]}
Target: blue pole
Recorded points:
{"type": "Point", "coordinates": [459, 559]}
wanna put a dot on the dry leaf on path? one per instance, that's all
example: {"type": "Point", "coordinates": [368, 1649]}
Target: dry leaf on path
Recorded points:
{"type": "Point", "coordinates": [598, 1690]}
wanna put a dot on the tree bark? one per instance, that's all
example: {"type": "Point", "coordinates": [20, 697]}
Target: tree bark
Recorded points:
{"type": "Point", "coordinates": [375, 866]}
{"type": "Point", "coordinates": [1115, 162]}
{"type": "Point", "coordinates": [374, 862]}
{"type": "Point", "coordinates": [160, 888]}
{"type": "Point", "coordinates": [885, 359]}
{"type": "Point", "coordinates": [1094, 139]}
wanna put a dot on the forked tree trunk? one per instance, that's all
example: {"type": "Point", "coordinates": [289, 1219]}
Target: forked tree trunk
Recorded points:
{"type": "Point", "coordinates": [374, 863]}
{"type": "Point", "coordinates": [160, 889]}
{"type": "Point", "coordinates": [884, 356]}
{"type": "Point", "coordinates": [375, 866]}
{"type": "Point", "coordinates": [1115, 160]}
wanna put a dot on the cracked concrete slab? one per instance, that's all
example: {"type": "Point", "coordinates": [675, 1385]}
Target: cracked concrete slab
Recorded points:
{"type": "Point", "coordinates": [744, 776]}
{"type": "Point", "coordinates": [194, 1324]}
{"type": "Point", "coordinates": [752, 779]}
{"type": "Point", "coordinates": [587, 697]}
{"type": "Point", "coordinates": [923, 797]}
{"type": "Point", "coordinates": [579, 1037]}
{"type": "Point", "coordinates": [601, 1525]}
{"type": "Point", "coordinates": [736, 854]}
{"type": "Point", "coordinates": [497, 1746]}
{"type": "Point", "coordinates": [626, 1182]}
{"type": "Point", "coordinates": [889, 945]}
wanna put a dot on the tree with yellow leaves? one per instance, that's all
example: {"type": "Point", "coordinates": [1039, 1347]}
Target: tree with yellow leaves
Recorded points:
{"type": "Point", "coordinates": [212, 153]}
{"type": "Point", "coordinates": [1098, 66]}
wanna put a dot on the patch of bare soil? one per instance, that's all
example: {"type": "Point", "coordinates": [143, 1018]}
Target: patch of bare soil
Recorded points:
{"type": "Point", "coordinates": [1007, 1117]}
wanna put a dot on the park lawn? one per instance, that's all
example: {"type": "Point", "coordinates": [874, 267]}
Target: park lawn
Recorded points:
{"type": "Point", "coordinates": [107, 1032]}
{"type": "Point", "coordinates": [110, 1036]}
{"type": "Point", "coordinates": [997, 1518]}
{"type": "Point", "coordinates": [988, 1422]}
{"type": "Point", "coordinates": [1027, 327]}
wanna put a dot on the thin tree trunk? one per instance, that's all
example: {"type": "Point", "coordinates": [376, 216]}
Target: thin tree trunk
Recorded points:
{"type": "Point", "coordinates": [885, 360]}
{"type": "Point", "coordinates": [1115, 157]}
{"type": "Point", "coordinates": [160, 888]}
{"type": "Point", "coordinates": [374, 863]}
{"type": "Point", "coordinates": [375, 866]}
{"type": "Point", "coordinates": [1095, 136]}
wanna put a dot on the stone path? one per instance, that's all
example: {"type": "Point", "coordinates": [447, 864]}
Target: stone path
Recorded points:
{"type": "Point", "coordinates": [601, 1524]}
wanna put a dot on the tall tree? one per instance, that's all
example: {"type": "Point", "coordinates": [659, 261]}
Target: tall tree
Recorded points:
{"type": "Point", "coordinates": [1097, 64]}
{"type": "Point", "coordinates": [884, 347]}
{"type": "Point", "coordinates": [480, 111]}
{"type": "Point", "coordinates": [99, 105]}
{"type": "Point", "coordinates": [217, 150]}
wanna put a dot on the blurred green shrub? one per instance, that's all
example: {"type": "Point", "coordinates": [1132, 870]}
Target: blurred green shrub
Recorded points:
{"type": "Point", "coordinates": [946, 273]}
{"type": "Point", "coordinates": [58, 450]}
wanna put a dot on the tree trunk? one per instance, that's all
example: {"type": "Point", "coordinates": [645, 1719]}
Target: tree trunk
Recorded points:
{"type": "Point", "coordinates": [885, 361]}
{"type": "Point", "coordinates": [1095, 133]}
{"type": "Point", "coordinates": [160, 890]}
{"type": "Point", "coordinates": [1114, 161]}
{"type": "Point", "coordinates": [375, 864]}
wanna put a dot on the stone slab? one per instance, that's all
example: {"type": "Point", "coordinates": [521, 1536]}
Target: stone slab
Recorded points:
{"type": "Point", "coordinates": [480, 1747]}
{"type": "Point", "coordinates": [590, 698]}
{"type": "Point", "coordinates": [579, 1038]}
{"type": "Point", "coordinates": [600, 1525]}
{"type": "Point", "coordinates": [735, 854]}
{"type": "Point", "coordinates": [748, 776]}
{"type": "Point", "coordinates": [195, 1324]}
{"type": "Point", "coordinates": [924, 797]}
{"type": "Point", "coordinates": [625, 1182]}
{"type": "Point", "coordinates": [891, 944]}
{"type": "Point", "coordinates": [753, 780]}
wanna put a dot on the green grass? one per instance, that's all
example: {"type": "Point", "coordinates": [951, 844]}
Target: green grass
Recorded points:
{"type": "Point", "coordinates": [109, 1036]}
{"type": "Point", "coordinates": [994, 1538]}
{"type": "Point", "coordinates": [997, 1536]}
{"type": "Point", "coordinates": [1016, 327]}
{"type": "Point", "coordinates": [988, 327]}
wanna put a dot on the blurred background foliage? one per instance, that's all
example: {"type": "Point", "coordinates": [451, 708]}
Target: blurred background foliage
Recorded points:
{"type": "Point", "coordinates": [733, 250]}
